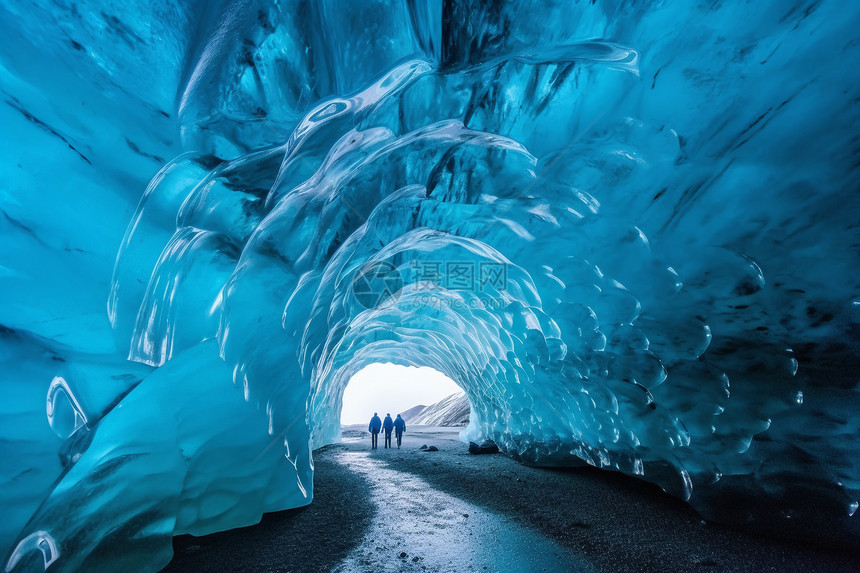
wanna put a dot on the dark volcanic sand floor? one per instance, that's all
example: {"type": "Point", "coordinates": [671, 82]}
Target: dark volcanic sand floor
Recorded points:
{"type": "Point", "coordinates": [452, 511]}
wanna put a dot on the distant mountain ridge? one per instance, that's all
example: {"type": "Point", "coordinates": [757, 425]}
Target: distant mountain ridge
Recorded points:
{"type": "Point", "coordinates": [413, 412]}
{"type": "Point", "coordinates": [453, 410]}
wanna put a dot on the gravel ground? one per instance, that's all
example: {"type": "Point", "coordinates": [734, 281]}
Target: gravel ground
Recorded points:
{"type": "Point", "coordinates": [410, 510]}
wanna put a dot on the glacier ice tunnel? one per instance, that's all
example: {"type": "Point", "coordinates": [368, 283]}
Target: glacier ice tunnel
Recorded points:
{"type": "Point", "coordinates": [629, 230]}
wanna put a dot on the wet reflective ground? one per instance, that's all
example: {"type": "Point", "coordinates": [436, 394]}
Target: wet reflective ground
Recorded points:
{"type": "Point", "coordinates": [410, 510]}
{"type": "Point", "coordinates": [428, 529]}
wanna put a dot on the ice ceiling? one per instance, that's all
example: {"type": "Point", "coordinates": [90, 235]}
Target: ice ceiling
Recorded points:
{"type": "Point", "coordinates": [628, 230]}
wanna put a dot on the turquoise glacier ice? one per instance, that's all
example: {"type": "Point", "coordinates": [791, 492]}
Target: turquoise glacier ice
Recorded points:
{"type": "Point", "coordinates": [629, 230]}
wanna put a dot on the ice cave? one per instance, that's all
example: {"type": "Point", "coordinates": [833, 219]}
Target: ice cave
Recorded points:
{"type": "Point", "coordinates": [627, 229]}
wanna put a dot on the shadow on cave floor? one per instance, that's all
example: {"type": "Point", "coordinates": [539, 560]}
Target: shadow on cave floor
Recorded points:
{"type": "Point", "coordinates": [311, 538]}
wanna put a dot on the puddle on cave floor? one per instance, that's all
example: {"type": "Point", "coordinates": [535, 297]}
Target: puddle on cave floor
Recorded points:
{"type": "Point", "coordinates": [440, 532]}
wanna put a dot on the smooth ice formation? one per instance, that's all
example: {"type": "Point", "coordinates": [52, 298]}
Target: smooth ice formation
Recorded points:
{"type": "Point", "coordinates": [628, 230]}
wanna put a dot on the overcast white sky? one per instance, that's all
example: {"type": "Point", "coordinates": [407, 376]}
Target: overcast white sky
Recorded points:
{"type": "Point", "coordinates": [390, 388]}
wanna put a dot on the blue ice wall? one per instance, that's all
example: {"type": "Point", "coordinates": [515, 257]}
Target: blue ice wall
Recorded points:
{"type": "Point", "coordinates": [627, 229]}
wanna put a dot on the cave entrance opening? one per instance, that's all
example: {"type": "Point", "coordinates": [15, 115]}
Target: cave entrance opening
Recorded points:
{"type": "Point", "coordinates": [390, 388]}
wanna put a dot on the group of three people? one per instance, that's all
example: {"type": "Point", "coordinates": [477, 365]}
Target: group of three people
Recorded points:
{"type": "Point", "coordinates": [398, 425]}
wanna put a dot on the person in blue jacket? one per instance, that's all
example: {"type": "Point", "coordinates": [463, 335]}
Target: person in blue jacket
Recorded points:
{"type": "Point", "coordinates": [373, 428]}
{"type": "Point", "coordinates": [388, 425]}
{"type": "Point", "coordinates": [399, 428]}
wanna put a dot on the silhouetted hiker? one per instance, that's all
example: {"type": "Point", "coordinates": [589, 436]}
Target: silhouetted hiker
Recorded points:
{"type": "Point", "coordinates": [373, 428]}
{"type": "Point", "coordinates": [399, 428]}
{"type": "Point", "coordinates": [388, 425]}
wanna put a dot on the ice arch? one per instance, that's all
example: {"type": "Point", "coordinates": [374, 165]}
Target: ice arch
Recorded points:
{"type": "Point", "coordinates": [656, 206]}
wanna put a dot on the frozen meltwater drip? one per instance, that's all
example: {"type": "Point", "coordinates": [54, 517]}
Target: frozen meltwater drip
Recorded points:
{"type": "Point", "coordinates": [38, 544]}
{"type": "Point", "coordinates": [65, 414]}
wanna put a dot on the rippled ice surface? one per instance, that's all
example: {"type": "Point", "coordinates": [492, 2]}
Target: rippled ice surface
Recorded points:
{"type": "Point", "coordinates": [627, 230]}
